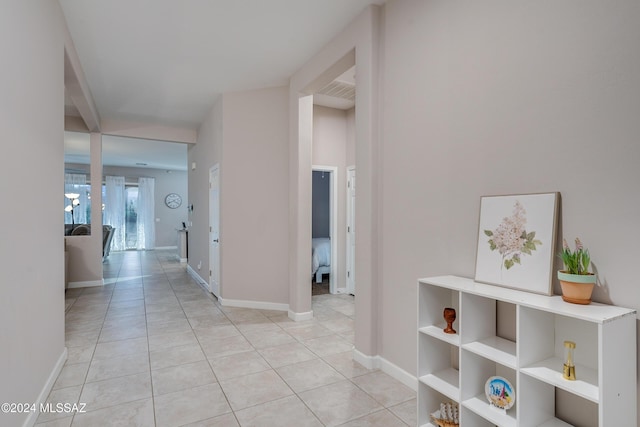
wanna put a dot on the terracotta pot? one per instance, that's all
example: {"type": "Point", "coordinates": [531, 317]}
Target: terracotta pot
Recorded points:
{"type": "Point", "coordinates": [577, 288]}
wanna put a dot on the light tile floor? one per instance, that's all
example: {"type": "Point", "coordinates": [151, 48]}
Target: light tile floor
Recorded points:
{"type": "Point", "coordinates": [152, 348]}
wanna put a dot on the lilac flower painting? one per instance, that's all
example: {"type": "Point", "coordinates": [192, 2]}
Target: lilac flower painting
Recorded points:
{"type": "Point", "coordinates": [511, 239]}
{"type": "Point", "coordinates": [516, 240]}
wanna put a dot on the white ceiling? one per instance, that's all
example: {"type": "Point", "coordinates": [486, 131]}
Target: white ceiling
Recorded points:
{"type": "Point", "coordinates": [166, 61]}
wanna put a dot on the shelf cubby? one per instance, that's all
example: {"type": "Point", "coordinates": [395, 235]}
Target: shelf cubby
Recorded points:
{"type": "Point", "coordinates": [543, 354]}
{"type": "Point", "coordinates": [541, 410]}
{"type": "Point", "coordinates": [477, 370]}
{"type": "Point", "coordinates": [472, 419]}
{"type": "Point", "coordinates": [439, 369]}
{"type": "Point", "coordinates": [480, 331]}
{"type": "Point", "coordinates": [429, 403]}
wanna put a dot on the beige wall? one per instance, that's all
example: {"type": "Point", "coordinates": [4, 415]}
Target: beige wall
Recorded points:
{"type": "Point", "coordinates": [500, 97]}
{"type": "Point", "coordinates": [351, 137]}
{"type": "Point", "coordinates": [205, 153]}
{"type": "Point", "coordinates": [357, 44]}
{"type": "Point", "coordinates": [254, 199]}
{"type": "Point", "coordinates": [246, 132]}
{"type": "Point", "coordinates": [330, 149]}
{"type": "Point", "coordinates": [32, 276]}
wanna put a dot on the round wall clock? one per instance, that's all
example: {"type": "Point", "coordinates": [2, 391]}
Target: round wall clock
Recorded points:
{"type": "Point", "coordinates": [173, 200]}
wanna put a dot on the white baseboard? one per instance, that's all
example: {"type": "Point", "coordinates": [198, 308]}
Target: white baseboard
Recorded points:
{"type": "Point", "coordinates": [165, 248]}
{"type": "Point", "coordinates": [86, 284]}
{"type": "Point", "coordinates": [369, 362]}
{"type": "Point", "coordinates": [378, 362]}
{"type": "Point", "coordinates": [196, 276]}
{"type": "Point", "coordinates": [298, 317]}
{"type": "Point", "coordinates": [181, 260]}
{"type": "Point", "coordinates": [261, 305]}
{"type": "Point", "coordinates": [44, 393]}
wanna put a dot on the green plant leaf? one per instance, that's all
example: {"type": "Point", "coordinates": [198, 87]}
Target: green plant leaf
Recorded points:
{"type": "Point", "coordinates": [488, 233]}
{"type": "Point", "coordinates": [492, 245]}
{"type": "Point", "coordinates": [531, 235]}
{"type": "Point", "coordinates": [508, 263]}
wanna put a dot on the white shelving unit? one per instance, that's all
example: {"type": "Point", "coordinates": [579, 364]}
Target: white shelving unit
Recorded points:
{"type": "Point", "coordinates": [455, 367]}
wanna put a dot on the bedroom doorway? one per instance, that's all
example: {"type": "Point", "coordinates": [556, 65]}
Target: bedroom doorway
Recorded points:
{"type": "Point", "coordinates": [324, 258]}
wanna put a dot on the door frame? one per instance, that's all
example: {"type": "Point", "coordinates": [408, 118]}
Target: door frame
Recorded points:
{"type": "Point", "coordinates": [350, 279]}
{"type": "Point", "coordinates": [210, 235]}
{"type": "Point", "coordinates": [333, 220]}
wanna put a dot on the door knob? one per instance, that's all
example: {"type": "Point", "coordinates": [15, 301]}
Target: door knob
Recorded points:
{"type": "Point", "coordinates": [215, 240]}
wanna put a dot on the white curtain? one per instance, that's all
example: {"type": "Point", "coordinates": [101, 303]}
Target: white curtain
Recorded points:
{"type": "Point", "coordinates": [146, 214]}
{"type": "Point", "coordinates": [114, 210]}
{"type": "Point", "coordinates": [76, 183]}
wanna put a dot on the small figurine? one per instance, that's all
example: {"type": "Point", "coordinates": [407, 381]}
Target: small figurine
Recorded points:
{"type": "Point", "coordinates": [569, 368]}
{"type": "Point", "coordinates": [449, 317]}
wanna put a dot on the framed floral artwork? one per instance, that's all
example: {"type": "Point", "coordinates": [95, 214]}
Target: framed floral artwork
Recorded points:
{"type": "Point", "coordinates": [516, 241]}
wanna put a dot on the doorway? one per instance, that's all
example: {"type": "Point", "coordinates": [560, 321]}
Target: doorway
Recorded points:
{"type": "Point", "coordinates": [324, 243]}
{"type": "Point", "coordinates": [361, 43]}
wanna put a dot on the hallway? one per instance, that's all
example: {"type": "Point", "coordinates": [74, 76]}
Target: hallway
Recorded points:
{"type": "Point", "coordinates": [152, 348]}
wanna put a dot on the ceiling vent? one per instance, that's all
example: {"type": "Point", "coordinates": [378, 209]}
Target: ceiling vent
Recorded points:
{"type": "Point", "coordinates": [338, 89]}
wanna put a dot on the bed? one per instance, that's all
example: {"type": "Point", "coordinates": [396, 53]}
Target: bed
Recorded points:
{"type": "Point", "coordinates": [320, 257]}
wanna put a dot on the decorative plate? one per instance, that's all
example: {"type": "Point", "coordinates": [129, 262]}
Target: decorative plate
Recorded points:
{"type": "Point", "coordinates": [500, 393]}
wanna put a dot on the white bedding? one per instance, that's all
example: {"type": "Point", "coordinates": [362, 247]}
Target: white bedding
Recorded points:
{"type": "Point", "coordinates": [320, 253]}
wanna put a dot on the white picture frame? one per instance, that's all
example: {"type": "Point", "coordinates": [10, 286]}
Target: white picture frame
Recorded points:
{"type": "Point", "coordinates": [516, 241]}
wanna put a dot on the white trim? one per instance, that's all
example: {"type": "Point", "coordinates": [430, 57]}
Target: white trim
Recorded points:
{"type": "Point", "coordinates": [398, 373]}
{"type": "Point", "coordinates": [217, 292]}
{"type": "Point", "coordinates": [350, 282]}
{"type": "Point", "coordinates": [165, 248]}
{"type": "Point", "coordinates": [197, 277]}
{"type": "Point", "coordinates": [261, 305]}
{"type": "Point", "coordinates": [298, 317]}
{"type": "Point", "coordinates": [369, 362]}
{"type": "Point", "coordinates": [379, 362]}
{"type": "Point", "coordinates": [86, 284]}
{"type": "Point", "coordinates": [44, 393]}
{"type": "Point", "coordinates": [181, 260]}
{"type": "Point", "coordinates": [333, 221]}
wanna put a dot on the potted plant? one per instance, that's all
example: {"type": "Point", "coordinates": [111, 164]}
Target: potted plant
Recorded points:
{"type": "Point", "coordinates": [576, 281]}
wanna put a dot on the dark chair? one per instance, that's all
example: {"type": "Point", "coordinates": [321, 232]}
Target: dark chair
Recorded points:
{"type": "Point", "coordinates": [107, 236]}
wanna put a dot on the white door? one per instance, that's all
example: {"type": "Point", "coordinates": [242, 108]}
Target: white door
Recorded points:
{"type": "Point", "coordinates": [351, 230]}
{"type": "Point", "coordinates": [214, 230]}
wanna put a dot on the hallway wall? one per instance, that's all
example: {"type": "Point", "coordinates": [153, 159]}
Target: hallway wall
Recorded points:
{"type": "Point", "coordinates": [486, 102]}
{"type": "Point", "coordinates": [32, 275]}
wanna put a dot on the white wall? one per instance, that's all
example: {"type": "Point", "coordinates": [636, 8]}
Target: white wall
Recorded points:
{"type": "Point", "coordinates": [500, 97]}
{"type": "Point", "coordinates": [32, 276]}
